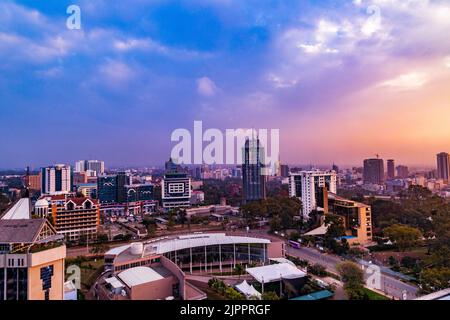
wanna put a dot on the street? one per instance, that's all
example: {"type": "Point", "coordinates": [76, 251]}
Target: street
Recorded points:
{"type": "Point", "coordinates": [389, 285]}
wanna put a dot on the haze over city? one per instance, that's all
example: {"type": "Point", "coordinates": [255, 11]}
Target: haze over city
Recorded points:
{"type": "Point", "coordinates": [342, 81]}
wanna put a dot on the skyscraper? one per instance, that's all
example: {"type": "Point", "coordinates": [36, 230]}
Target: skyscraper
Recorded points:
{"type": "Point", "coordinates": [443, 166]}
{"type": "Point", "coordinates": [402, 172]}
{"type": "Point", "coordinates": [308, 186]}
{"type": "Point", "coordinates": [56, 179]}
{"type": "Point", "coordinates": [390, 169]}
{"type": "Point", "coordinates": [253, 178]}
{"type": "Point", "coordinates": [373, 171]}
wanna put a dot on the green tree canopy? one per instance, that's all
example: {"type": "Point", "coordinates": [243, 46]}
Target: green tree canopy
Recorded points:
{"type": "Point", "coordinates": [403, 236]}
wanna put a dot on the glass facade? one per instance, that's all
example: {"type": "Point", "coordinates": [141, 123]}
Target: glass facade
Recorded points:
{"type": "Point", "coordinates": [219, 254]}
{"type": "Point", "coordinates": [254, 181]}
{"type": "Point", "coordinates": [16, 284]}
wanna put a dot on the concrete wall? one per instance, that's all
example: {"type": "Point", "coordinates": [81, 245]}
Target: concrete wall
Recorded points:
{"type": "Point", "coordinates": [159, 289]}
{"type": "Point", "coordinates": [275, 250]}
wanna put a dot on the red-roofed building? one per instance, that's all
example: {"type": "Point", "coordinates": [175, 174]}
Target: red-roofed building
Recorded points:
{"type": "Point", "coordinates": [72, 216]}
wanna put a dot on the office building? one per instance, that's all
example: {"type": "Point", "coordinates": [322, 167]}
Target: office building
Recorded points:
{"type": "Point", "coordinates": [56, 179]}
{"type": "Point", "coordinates": [88, 190]}
{"type": "Point", "coordinates": [390, 169]}
{"type": "Point", "coordinates": [111, 188]}
{"type": "Point", "coordinates": [31, 256]}
{"type": "Point", "coordinates": [139, 192]}
{"type": "Point", "coordinates": [402, 172]}
{"type": "Point", "coordinates": [443, 166]}
{"type": "Point", "coordinates": [72, 216]}
{"type": "Point", "coordinates": [284, 171]}
{"type": "Point", "coordinates": [357, 218]}
{"type": "Point", "coordinates": [96, 167]}
{"type": "Point", "coordinates": [253, 175]}
{"type": "Point", "coordinates": [33, 182]}
{"type": "Point", "coordinates": [374, 171]}
{"type": "Point", "coordinates": [309, 186]}
{"type": "Point", "coordinates": [175, 187]}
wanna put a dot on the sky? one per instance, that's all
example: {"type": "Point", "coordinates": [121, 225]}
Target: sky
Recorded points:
{"type": "Point", "coordinates": [341, 80]}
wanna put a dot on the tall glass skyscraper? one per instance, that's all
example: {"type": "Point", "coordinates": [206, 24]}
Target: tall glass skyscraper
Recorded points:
{"type": "Point", "coordinates": [443, 166]}
{"type": "Point", "coordinates": [253, 178]}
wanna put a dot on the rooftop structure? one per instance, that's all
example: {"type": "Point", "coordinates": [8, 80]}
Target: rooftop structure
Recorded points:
{"type": "Point", "coordinates": [31, 260]}
{"type": "Point", "coordinates": [20, 210]}
{"type": "Point", "coordinates": [443, 295]}
{"type": "Point", "coordinates": [139, 275]}
{"type": "Point", "coordinates": [275, 272]}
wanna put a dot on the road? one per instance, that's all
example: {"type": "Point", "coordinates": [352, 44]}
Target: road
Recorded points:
{"type": "Point", "coordinates": [388, 284]}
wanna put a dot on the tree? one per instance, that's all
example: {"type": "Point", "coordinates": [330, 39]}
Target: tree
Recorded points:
{"type": "Point", "coordinates": [404, 237]}
{"type": "Point", "coordinates": [182, 216]}
{"type": "Point", "coordinates": [353, 278]}
{"type": "Point", "coordinates": [232, 294]}
{"type": "Point", "coordinates": [318, 270]}
{"type": "Point", "coordinates": [269, 295]}
{"type": "Point", "coordinates": [336, 229]}
{"type": "Point", "coordinates": [434, 279]}
{"type": "Point", "coordinates": [239, 269]}
{"type": "Point", "coordinates": [275, 223]}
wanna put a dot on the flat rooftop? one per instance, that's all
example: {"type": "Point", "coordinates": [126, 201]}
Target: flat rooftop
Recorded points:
{"type": "Point", "coordinates": [139, 275]}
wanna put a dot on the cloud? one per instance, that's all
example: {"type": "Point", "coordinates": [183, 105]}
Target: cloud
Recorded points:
{"type": "Point", "coordinates": [206, 87]}
{"type": "Point", "coordinates": [408, 81]}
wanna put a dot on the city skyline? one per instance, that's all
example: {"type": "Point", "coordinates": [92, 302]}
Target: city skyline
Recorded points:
{"type": "Point", "coordinates": [342, 81]}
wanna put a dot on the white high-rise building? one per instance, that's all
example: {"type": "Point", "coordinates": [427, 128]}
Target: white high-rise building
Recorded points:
{"type": "Point", "coordinates": [90, 165]}
{"type": "Point", "coordinates": [56, 179]}
{"type": "Point", "coordinates": [306, 185]}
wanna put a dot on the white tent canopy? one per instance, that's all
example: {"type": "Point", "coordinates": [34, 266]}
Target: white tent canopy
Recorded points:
{"type": "Point", "coordinates": [318, 232]}
{"type": "Point", "coordinates": [247, 290]}
{"type": "Point", "coordinates": [282, 260]}
{"type": "Point", "coordinates": [275, 272]}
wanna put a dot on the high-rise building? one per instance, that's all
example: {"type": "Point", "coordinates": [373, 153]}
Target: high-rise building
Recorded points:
{"type": "Point", "coordinates": [402, 172]}
{"type": "Point", "coordinates": [112, 188]}
{"type": "Point", "coordinates": [335, 168]}
{"type": "Point", "coordinates": [96, 166]}
{"type": "Point", "coordinates": [56, 179]}
{"type": "Point", "coordinates": [443, 166]}
{"type": "Point", "coordinates": [390, 169]}
{"type": "Point", "coordinates": [373, 171]}
{"type": "Point", "coordinates": [309, 186]}
{"type": "Point", "coordinates": [284, 170]}
{"type": "Point", "coordinates": [175, 187]}
{"type": "Point", "coordinates": [253, 177]}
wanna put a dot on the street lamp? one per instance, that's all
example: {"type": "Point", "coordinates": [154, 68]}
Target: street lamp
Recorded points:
{"type": "Point", "coordinates": [262, 282]}
{"type": "Point", "coordinates": [281, 285]}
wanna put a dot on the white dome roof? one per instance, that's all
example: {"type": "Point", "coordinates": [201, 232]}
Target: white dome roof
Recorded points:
{"type": "Point", "coordinates": [41, 203]}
